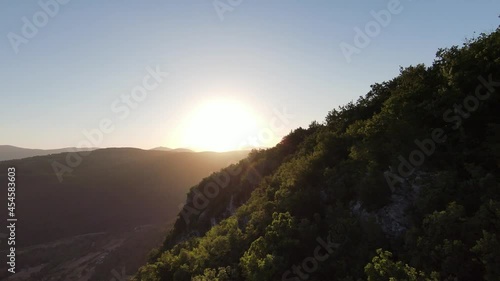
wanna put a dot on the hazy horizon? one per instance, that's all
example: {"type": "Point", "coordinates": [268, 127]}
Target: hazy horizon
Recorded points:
{"type": "Point", "coordinates": [150, 148]}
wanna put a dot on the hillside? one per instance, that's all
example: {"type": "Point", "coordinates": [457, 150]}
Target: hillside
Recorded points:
{"type": "Point", "coordinates": [116, 197]}
{"type": "Point", "coordinates": [403, 184]}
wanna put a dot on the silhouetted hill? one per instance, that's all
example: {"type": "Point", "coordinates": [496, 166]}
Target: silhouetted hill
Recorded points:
{"type": "Point", "coordinates": [9, 152]}
{"type": "Point", "coordinates": [112, 188]}
{"type": "Point", "coordinates": [111, 195]}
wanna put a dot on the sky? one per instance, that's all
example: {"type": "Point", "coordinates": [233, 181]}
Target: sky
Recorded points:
{"type": "Point", "coordinates": [203, 74]}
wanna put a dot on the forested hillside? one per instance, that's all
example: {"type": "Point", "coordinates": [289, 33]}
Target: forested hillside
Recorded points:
{"type": "Point", "coordinates": [402, 183]}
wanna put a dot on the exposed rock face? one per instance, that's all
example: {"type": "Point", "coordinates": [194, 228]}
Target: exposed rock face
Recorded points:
{"type": "Point", "coordinates": [393, 218]}
{"type": "Point", "coordinates": [231, 208]}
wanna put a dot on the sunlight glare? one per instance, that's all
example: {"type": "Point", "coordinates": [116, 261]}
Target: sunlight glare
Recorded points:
{"type": "Point", "coordinates": [219, 125]}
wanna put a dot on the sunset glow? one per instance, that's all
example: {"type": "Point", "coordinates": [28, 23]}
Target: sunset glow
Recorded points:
{"type": "Point", "coordinates": [219, 125]}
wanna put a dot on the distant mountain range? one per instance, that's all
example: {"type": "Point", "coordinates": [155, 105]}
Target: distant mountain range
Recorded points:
{"type": "Point", "coordinates": [10, 152]}
{"type": "Point", "coordinates": [162, 148]}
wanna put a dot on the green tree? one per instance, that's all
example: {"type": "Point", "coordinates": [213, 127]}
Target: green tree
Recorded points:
{"type": "Point", "coordinates": [383, 268]}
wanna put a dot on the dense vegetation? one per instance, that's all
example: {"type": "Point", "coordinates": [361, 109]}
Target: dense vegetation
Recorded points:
{"type": "Point", "coordinates": [403, 184]}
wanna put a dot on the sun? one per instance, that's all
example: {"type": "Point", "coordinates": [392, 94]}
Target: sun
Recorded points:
{"type": "Point", "coordinates": [219, 125]}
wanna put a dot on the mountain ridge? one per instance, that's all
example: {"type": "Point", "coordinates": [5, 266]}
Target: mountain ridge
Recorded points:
{"type": "Point", "coordinates": [10, 152]}
{"type": "Point", "coordinates": [162, 148]}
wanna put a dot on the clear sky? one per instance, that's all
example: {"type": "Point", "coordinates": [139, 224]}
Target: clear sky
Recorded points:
{"type": "Point", "coordinates": [229, 71]}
